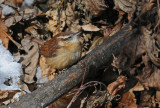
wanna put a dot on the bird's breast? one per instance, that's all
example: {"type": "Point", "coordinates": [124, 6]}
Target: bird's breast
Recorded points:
{"type": "Point", "coordinates": [65, 56]}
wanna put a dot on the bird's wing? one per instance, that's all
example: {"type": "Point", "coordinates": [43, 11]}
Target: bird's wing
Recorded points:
{"type": "Point", "coordinates": [49, 48]}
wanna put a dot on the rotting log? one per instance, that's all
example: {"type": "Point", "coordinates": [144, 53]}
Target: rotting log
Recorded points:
{"type": "Point", "coordinates": [99, 57]}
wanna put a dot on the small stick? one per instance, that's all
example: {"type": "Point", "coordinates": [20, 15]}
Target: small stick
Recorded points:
{"type": "Point", "coordinates": [16, 43]}
{"type": "Point", "coordinates": [38, 41]}
{"type": "Point", "coordinates": [79, 90]}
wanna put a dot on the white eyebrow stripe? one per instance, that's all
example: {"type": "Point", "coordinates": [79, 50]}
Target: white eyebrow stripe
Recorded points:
{"type": "Point", "coordinates": [64, 37]}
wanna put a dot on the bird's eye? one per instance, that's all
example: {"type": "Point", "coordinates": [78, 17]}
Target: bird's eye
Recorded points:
{"type": "Point", "coordinates": [69, 37]}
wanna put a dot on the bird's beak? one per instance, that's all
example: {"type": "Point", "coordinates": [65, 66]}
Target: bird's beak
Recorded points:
{"type": "Point", "coordinates": [76, 34]}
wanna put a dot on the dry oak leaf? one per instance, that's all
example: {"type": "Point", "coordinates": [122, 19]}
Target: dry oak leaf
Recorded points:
{"type": "Point", "coordinates": [29, 60]}
{"type": "Point", "coordinates": [75, 27]}
{"type": "Point", "coordinates": [97, 99]}
{"type": "Point", "coordinates": [24, 14]}
{"type": "Point", "coordinates": [152, 80]}
{"type": "Point", "coordinates": [117, 85]}
{"type": "Point", "coordinates": [128, 100]}
{"type": "Point", "coordinates": [57, 23]}
{"type": "Point", "coordinates": [63, 101]}
{"type": "Point", "coordinates": [3, 34]}
{"type": "Point", "coordinates": [138, 87]}
{"type": "Point", "coordinates": [145, 99]}
{"type": "Point", "coordinates": [90, 27]}
{"type": "Point", "coordinates": [116, 29]}
{"type": "Point", "coordinates": [158, 98]}
{"type": "Point", "coordinates": [96, 7]}
{"type": "Point", "coordinates": [17, 3]}
{"type": "Point", "coordinates": [31, 30]}
{"type": "Point", "coordinates": [125, 5]}
{"type": "Point", "coordinates": [69, 15]}
{"type": "Point", "coordinates": [5, 37]}
{"type": "Point", "coordinates": [106, 32]}
{"type": "Point", "coordinates": [7, 95]}
{"type": "Point", "coordinates": [96, 41]}
{"type": "Point", "coordinates": [13, 20]}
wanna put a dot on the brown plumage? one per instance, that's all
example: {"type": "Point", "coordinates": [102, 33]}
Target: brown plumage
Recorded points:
{"type": "Point", "coordinates": [62, 50]}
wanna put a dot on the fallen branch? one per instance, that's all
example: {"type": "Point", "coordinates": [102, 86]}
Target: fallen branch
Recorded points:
{"type": "Point", "coordinates": [99, 57]}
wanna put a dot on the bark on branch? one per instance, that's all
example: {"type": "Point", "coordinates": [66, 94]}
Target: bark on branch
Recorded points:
{"type": "Point", "coordinates": [99, 57]}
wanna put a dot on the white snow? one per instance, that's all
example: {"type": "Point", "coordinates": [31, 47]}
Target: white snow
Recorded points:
{"type": "Point", "coordinates": [6, 10]}
{"type": "Point", "coordinates": [9, 69]}
{"type": "Point", "coordinates": [28, 3]}
{"type": "Point", "coordinates": [39, 77]}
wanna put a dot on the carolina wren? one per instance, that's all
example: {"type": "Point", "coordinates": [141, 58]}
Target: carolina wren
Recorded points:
{"type": "Point", "coordinates": [62, 50]}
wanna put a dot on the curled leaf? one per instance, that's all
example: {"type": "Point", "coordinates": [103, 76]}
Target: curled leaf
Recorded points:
{"type": "Point", "coordinates": [3, 34]}
{"type": "Point", "coordinates": [90, 27]}
{"type": "Point", "coordinates": [96, 7]}
{"type": "Point", "coordinates": [117, 85]}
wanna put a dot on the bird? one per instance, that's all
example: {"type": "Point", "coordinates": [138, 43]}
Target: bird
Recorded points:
{"type": "Point", "coordinates": [63, 50]}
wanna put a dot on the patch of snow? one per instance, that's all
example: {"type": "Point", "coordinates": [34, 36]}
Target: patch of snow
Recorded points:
{"type": "Point", "coordinates": [9, 69]}
{"type": "Point", "coordinates": [39, 76]}
{"type": "Point", "coordinates": [7, 10]}
{"type": "Point", "coordinates": [28, 3]}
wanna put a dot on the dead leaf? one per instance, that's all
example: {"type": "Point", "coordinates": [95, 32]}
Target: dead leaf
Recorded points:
{"type": "Point", "coordinates": [158, 97]}
{"type": "Point", "coordinates": [146, 99]}
{"type": "Point", "coordinates": [96, 7]}
{"type": "Point", "coordinates": [23, 86]}
{"type": "Point", "coordinates": [117, 85]}
{"type": "Point", "coordinates": [152, 80]}
{"type": "Point", "coordinates": [57, 23]}
{"type": "Point", "coordinates": [3, 34]}
{"type": "Point", "coordinates": [63, 101]}
{"type": "Point", "coordinates": [29, 13]}
{"type": "Point", "coordinates": [69, 15]}
{"type": "Point", "coordinates": [75, 27]}
{"type": "Point", "coordinates": [106, 32]}
{"type": "Point", "coordinates": [125, 5]}
{"type": "Point", "coordinates": [97, 99]}
{"type": "Point", "coordinates": [128, 100]}
{"type": "Point", "coordinates": [31, 30]}
{"type": "Point", "coordinates": [115, 29]}
{"type": "Point", "coordinates": [138, 87]}
{"type": "Point", "coordinates": [17, 3]}
{"type": "Point", "coordinates": [12, 20]}
{"type": "Point", "coordinates": [29, 60]}
{"type": "Point", "coordinates": [24, 14]}
{"type": "Point", "coordinates": [96, 41]}
{"type": "Point", "coordinates": [3, 94]}
{"type": "Point", "coordinates": [7, 95]}
{"type": "Point", "coordinates": [90, 27]}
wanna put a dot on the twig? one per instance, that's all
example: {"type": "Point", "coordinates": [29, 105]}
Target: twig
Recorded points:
{"type": "Point", "coordinates": [83, 87]}
{"type": "Point", "coordinates": [38, 41]}
{"type": "Point", "coordinates": [16, 43]}
{"type": "Point", "coordinates": [78, 92]}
